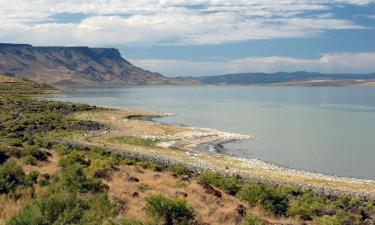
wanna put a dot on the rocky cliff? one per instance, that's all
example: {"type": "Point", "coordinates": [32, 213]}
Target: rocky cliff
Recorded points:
{"type": "Point", "coordinates": [76, 65]}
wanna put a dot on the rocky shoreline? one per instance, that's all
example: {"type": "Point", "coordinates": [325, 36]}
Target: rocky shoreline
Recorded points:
{"type": "Point", "coordinates": [201, 150]}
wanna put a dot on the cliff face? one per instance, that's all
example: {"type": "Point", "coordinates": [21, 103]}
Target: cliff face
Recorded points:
{"type": "Point", "coordinates": [75, 65]}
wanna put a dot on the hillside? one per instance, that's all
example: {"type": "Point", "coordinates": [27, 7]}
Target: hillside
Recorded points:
{"type": "Point", "coordinates": [13, 85]}
{"type": "Point", "coordinates": [76, 65]}
{"type": "Point", "coordinates": [301, 78]}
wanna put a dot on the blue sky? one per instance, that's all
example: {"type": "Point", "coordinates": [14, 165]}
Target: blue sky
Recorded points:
{"type": "Point", "coordinates": [204, 37]}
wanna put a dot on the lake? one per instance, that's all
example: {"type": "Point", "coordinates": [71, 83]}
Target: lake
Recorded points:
{"type": "Point", "coordinates": [325, 129]}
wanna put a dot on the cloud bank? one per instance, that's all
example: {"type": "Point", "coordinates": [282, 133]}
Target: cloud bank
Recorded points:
{"type": "Point", "coordinates": [329, 63]}
{"type": "Point", "coordinates": [124, 22]}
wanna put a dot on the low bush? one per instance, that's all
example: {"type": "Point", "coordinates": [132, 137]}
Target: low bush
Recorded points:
{"type": "Point", "coordinates": [11, 176]}
{"type": "Point", "coordinates": [35, 152]}
{"type": "Point", "coordinates": [129, 161]}
{"type": "Point", "coordinates": [251, 219]}
{"type": "Point", "coordinates": [181, 169]}
{"type": "Point", "coordinates": [271, 199]}
{"type": "Point", "coordinates": [149, 165]}
{"type": "Point", "coordinates": [169, 211]}
{"type": "Point", "coordinates": [253, 193]}
{"type": "Point", "coordinates": [100, 168]}
{"type": "Point", "coordinates": [15, 142]}
{"type": "Point", "coordinates": [28, 215]}
{"type": "Point", "coordinates": [307, 206]}
{"type": "Point", "coordinates": [66, 208]}
{"type": "Point", "coordinates": [74, 158]}
{"type": "Point", "coordinates": [3, 156]}
{"type": "Point", "coordinates": [341, 218]}
{"type": "Point", "coordinates": [231, 185]}
{"type": "Point", "coordinates": [275, 201]}
{"type": "Point", "coordinates": [29, 160]}
{"type": "Point", "coordinates": [74, 178]}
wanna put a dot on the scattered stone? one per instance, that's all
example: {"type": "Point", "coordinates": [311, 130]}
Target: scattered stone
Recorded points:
{"type": "Point", "coordinates": [369, 222]}
{"type": "Point", "coordinates": [135, 195]}
{"type": "Point", "coordinates": [174, 175]}
{"type": "Point", "coordinates": [241, 210]}
{"type": "Point", "coordinates": [210, 190]}
{"type": "Point", "coordinates": [184, 177]}
{"type": "Point", "coordinates": [49, 154]}
{"type": "Point", "coordinates": [46, 176]}
{"type": "Point", "coordinates": [133, 179]}
{"type": "Point", "coordinates": [106, 187]}
{"type": "Point", "coordinates": [156, 176]}
{"type": "Point", "coordinates": [181, 193]}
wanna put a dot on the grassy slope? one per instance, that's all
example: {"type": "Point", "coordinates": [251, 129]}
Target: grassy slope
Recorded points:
{"type": "Point", "coordinates": [100, 187]}
{"type": "Point", "coordinates": [11, 85]}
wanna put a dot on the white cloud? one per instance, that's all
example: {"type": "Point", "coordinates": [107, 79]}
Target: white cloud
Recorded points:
{"type": "Point", "coordinates": [112, 22]}
{"type": "Point", "coordinates": [329, 63]}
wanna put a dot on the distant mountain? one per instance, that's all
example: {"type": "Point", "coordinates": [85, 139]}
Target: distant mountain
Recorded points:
{"type": "Point", "coordinates": [76, 65]}
{"type": "Point", "coordinates": [294, 78]}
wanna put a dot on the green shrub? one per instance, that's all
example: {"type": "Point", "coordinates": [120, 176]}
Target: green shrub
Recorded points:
{"type": "Point", "coordinates": [66, 208]}
{"type": "Point", "coordinates": [169, 210]}
{"type": "Point", "coordinates": [100, 168]}
{"type": "Point", "coordinates": [149, 165]}
{"type": "Point", "coordinates": [74, 158]}
{"type": "Point", "coordinates": [29, 160]}
{"type": "Point", "coordinates": [61, 149]}
{"type": "Point", "coordinates": [15, 142]}
{"type": "Point", "coordinates": [271, 199]}
{"type": "Point", "coordinates": [275, 201]}
{"type": "Point", "coordinates": [3, 156]}
{"type": "Point", "coordinates": [99, 208]}
{"type": "Point", "coordinates": [253, 193]}
{"type": "Point", "coordinates": [231, 185]}
{"type": "Point", "coordinates": [129, 161]}
{"type": "Point", "coordinates": [251, 219]}
{"type": "Point", "coordinates": [29, 215]}
{"type": "Point", "coordinates": [307, 206]}
{"type": "Point", "coordinates": [43, 182]}
{"type": "Point", "coordinates": [11, 176]}
{"type": "Point", "coordinates": [74, 178]}
{"type": "Point", "coordinates": [327, 220]}
{"type": "Point", "coordinates": [31, 178]}
{"type": "Point", "coordinates": [339, 219]}
{"type": "Point", "coordinates": [180, 169]}
{"type": "Point", "coordinates": [35, 152]}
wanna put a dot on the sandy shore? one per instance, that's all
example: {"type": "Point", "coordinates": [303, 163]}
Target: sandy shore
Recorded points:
{"type": "Point", "coordinates": [171, 144]}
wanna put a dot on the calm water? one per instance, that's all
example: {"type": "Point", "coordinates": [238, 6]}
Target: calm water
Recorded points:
{"type": "Point", "coordinates": [329, 130]}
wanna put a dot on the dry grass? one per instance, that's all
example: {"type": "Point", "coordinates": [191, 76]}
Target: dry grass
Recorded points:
{"type": "Point", "coordinates": [208, 208]}
{"type": "Point", "coordinates": [10, 206]}
{"type": "Point", "coordinates": [45, 167]}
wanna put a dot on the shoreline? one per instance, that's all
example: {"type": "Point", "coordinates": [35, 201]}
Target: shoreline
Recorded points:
{"type": "Point", "coordinates": [216, 146]}
{"type": "Point", "coordinates": [180, 144]}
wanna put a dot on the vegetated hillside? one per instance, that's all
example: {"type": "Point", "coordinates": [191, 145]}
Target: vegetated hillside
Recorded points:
{"type": "Point", "coordinates": [13, 85]}
{"type": "Point", "coordinates": [280, 77]}
{"type": "Point", "coordinates": [44, 180]}
{"type": "Point", "coordinates": [76, 65]}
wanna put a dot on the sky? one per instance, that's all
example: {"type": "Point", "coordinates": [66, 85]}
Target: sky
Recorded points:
{"type": "Point", "coordinates": [205, 37]}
